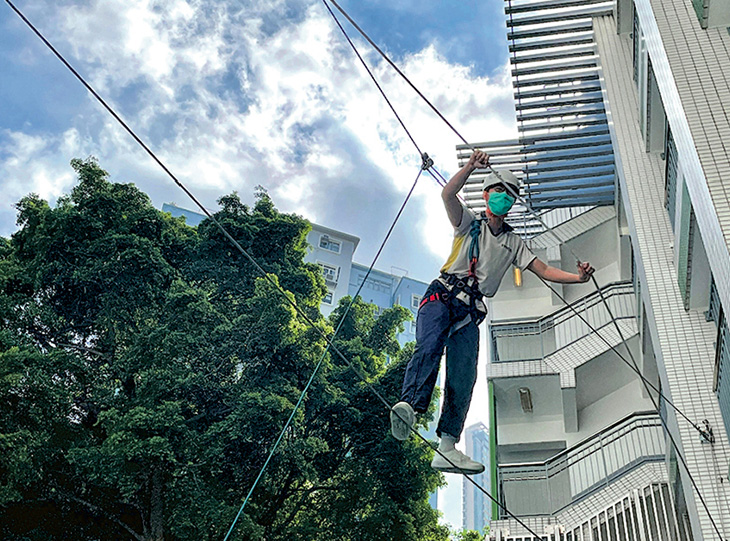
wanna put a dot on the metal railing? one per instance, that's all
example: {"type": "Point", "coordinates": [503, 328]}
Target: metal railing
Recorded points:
{"type": "Point", "coordinates": [546, 488]}
{"type": "Point", "coordinates": [535, 339]}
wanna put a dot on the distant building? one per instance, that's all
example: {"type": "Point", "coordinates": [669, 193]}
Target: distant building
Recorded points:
{"type": "Point", "coordinates": [386, 290]}
{"type": "Point", "coordinates": [332, 250]}
{"type": "Point", "coordinates": [192, 218]}
{"type": "Point", "coordinates": [475, 506]}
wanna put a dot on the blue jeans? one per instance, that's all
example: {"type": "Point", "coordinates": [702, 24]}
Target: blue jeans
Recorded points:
{"type": "Point", "coordinates": [434, 325]}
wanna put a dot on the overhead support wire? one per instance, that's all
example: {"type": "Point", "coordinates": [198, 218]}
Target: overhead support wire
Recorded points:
{"type": "Point", "coordinates": [435, 174]}
{"type": "Point", "coordinates": [375, 81]}
{"type": "Point", "coordinates": [397, 69]}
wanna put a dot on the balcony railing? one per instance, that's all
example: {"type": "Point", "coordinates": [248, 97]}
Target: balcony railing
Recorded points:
{"type": "Point", "coordinates": [546, 488]}
{"type": "Point", "coordinates": [535, 339]}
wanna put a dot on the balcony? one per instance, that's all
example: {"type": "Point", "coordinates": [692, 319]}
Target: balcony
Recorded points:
{"type": "Point", "coordinates": [546, 488]}
{"type": "Point", "coordinates": [555, 336]}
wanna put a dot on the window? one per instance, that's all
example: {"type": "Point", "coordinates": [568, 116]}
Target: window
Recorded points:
{"type": "Point", "coordinates": [327, 243]}
{"type": "Point", "coordinates": [331, 273]}
{"type": "Point", "coordinates": [685, 245]}
{"type": "Point", "coordinates": [327, 297]}
{"type": "Point", "coordinates": [636, 35]}
{"type": "Point", "coordinates": [413, 327]}
{"type": "Point", "coordinates": [415, 301]}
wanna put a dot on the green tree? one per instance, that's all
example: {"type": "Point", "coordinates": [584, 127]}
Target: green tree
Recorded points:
{"type": "Point", "coordinates": [470, 535]}
{"type": "Point", "coordinates": [146, 369]}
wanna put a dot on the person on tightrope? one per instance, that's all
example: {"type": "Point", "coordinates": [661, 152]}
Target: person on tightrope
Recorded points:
{"type": "Point", "coordinates": [453, 306]}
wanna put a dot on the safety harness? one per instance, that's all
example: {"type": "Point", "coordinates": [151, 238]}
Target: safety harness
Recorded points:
{"type": "Point", "coordinates": [465, 291]}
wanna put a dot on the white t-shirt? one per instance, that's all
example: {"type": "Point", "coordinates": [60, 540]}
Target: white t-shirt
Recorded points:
{"type": "Point", "coordinates": [496, 253]}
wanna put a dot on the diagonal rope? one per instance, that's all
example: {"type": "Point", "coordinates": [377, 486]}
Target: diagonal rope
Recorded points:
{"type": "Point", "coordinates": [647, 384]}
{"type": "Point", "coordinates": [251, 260]}
{"type": "Point", "coordinates": [655, 402]}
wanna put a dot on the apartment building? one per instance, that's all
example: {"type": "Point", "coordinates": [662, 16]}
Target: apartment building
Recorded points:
{"type": "Point", "coordinates": [623, 112]}
{"type": "Point", "coordinates": [333, 251]}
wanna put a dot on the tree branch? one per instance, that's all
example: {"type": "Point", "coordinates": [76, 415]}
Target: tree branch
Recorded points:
{"type": "Point", "coordinates": [99, 511]}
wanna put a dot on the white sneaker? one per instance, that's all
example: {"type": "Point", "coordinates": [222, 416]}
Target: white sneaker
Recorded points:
{"type": "Point", "coordinates": [457, 462]}
{"type": "Point", "coordinates": [402, 418]}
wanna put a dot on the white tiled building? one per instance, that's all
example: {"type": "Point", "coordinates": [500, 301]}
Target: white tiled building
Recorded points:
{"type": "Point", "coordinates": [623, 111]}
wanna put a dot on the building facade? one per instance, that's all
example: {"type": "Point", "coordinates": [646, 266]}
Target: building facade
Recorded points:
{"type": "Point", "coordinates": [475, 506]}
{"type": "Point", "coordinates": [192, 218]}
{"type": "Point", "coordinates": [333, 251]}
{"type": "Point", "coordinates": [602, 405]}
{"type": "Point", "coordinates": [386, 290]}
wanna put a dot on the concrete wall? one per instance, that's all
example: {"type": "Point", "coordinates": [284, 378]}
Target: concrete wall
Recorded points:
{"type": "Point", "coordinates": [341, 260]}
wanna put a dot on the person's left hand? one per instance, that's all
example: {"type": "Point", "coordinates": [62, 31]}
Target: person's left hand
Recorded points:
{"type": "Point", "coordinates": [585, 271]}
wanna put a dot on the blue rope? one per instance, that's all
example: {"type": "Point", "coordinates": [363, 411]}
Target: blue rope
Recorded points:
{"type": "Point", "coordinates": [475, 231]}
{"type": "Point", "coordinates": [321, 359]}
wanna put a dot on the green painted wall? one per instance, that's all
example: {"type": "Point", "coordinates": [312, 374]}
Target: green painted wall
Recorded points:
{"type": "Point", "coordinates": [685, 239]}
{"type": "Point", "coordinates": [699, 6]}
{"type": "Point", "coordinates": [493, 451]}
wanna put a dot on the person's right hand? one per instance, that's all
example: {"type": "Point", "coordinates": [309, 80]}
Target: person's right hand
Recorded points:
{"type": "Point", "coordinates": [479, 159]}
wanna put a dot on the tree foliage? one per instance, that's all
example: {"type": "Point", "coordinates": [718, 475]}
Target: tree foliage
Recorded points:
{"type": "Point", "coordinates": [470, 535]}
{"type": "Point", "coordinates": [146, 369]}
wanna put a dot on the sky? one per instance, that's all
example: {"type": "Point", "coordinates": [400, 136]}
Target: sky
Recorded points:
{"type": "Point", "coordinates": [231, 94]}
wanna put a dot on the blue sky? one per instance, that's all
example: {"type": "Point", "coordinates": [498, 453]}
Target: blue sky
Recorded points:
{"type": "Point", "coordinates": [236, 93]}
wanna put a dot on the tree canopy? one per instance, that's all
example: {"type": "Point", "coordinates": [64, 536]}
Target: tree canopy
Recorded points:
{"type": "Point", "coordinates": [146, 370]}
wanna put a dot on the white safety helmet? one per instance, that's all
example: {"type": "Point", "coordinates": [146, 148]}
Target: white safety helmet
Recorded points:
{"type": "Point", "coordinates": [501, 176]}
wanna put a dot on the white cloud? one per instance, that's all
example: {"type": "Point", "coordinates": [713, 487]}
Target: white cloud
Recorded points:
{"type": "Point", "coordinates": [230, 99]}
{"type": "Point", "coordinates": [34, 164]}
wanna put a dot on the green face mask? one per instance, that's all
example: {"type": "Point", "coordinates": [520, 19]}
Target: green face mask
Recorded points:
{"type": "Point", "coordinates": [500, 203]}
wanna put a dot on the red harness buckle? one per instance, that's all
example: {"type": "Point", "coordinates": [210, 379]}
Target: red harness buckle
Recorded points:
{"type": "Point", "coordinates": [432, 298]}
